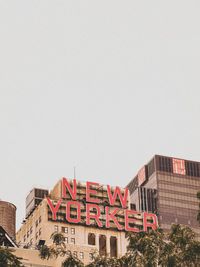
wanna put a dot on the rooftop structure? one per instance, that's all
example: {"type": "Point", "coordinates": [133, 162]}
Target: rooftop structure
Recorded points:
{"type": "Point", "coordinates": [8, 218]}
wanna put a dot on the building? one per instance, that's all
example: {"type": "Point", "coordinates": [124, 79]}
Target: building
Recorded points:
{"type": "Point", "coordinates": [8, 218]}
{"type": "Point", "coordinates": [168, 187]}
{"type": "Point", "coordinates": [72, 208]}
{"type": "Point", "coordinates": [34, 198]}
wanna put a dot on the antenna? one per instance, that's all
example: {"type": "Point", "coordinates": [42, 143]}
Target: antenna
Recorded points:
{"type": "Point", "coordinates": [74, 172]}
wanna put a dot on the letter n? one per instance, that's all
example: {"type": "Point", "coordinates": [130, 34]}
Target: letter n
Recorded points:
{"type": "Point", "coordinates": [66, 185]}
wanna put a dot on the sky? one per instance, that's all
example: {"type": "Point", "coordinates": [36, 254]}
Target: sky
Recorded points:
{"type": "Point", "coordinates": [97, 85]}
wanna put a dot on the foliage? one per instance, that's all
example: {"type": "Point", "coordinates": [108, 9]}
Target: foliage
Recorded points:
{"type": "Point", "coordinates": [185, 250]}
{"type": "Point", "coordinates": [176, 248]}
{"type": "Point", "coordinates": [72, 261]}
{"type": "Point", "coordinates": [144, 248]}
{"type": "Point", "coordinates": [8, 259]}
{"type": "Point", "coordinates": [45, 252]}
{"type": "Point", "coordinates": [103, 261]}
{"type": "Point", "coordinates": [58, 239]}
{"type": "Point", "coordinates": [59, 249]}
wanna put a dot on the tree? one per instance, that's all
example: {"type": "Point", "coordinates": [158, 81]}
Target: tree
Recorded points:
{"type": "Point", "coordinates": [178, 248]}
{"type": "Point", "coordinates": [144, 248]}
{"type": "Point", "coordinates": [58, 239]}
{"type": "Point", "coordinates": [72, 261]}
{"type": "Point", "coordinates": [104, 261]}
{"type": "Point", "coordinates": [184, 248]}
{"type": "Point", "coordinates": [8, 259]}
{"type": "Point", "coordinates": [58, 248]}
{"type": "Point", "coordinates": [45, 252]}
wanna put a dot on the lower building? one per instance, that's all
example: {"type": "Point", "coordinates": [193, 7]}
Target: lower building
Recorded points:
{"type": "Point", "coordinates": [31, 258]}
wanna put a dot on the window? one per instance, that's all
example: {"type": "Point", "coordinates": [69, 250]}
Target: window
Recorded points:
{"type": "Point", "coordinates": [73, 231]}
{"type": "Point", "coordinates": [151, 167]}
{"type": "Point", "coordinates": [91, 256]}
{"type": "Point", "coordinates": [24, 238]}
{"type": "Point", "coordinates": [113, 246]}
{"type": "Point", "coordinates": [165, 164]}
{"type": "Point", "coordinates": [31, 230]}
{"type": "Point", "coordinates": [27, 234]}
{"type": "Point", "coordinates": [65, 230]}
{"type": "Point", "coordinates": [102, 245]}
{"type": "Point", "coordinates": [133, 206]}
{"type": "Point", "coordinates": [36, 235]}
{"type": "Point", "coordinates": [40, 231]}
{"type": "Point", "coordinates": [36, 223]}
{"type": "Point", "coordinates": [66, 239]}
{"type": "Point", "coordinates": [73, 240]}
{"type": "Point", "coordinates": [40, 219]}
{"type": "Point", "coordinates": [91, 239]}
{"type": "Point", "coordinates": [81, 254]}
{"type": "Point", "coordinates": [56, 228]}
{"type": "Point", "coordinates": [75, 254]}
{"type": "Point", "coordinates": [68, 253]}
{"type": "Point", "coordinates": [192, 168]}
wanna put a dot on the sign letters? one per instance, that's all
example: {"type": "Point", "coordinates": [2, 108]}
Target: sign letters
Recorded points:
{"type": "Point", "coordinates": [97, 212]}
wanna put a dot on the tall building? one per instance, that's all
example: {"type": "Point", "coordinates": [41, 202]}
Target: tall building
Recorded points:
{"type": "Point", "coordinates": [168, 187]}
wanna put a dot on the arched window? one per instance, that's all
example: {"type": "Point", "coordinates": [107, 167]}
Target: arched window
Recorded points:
{"type": "Point", "coordinates": [91, 239]}
{"type": "Point", "coordinates": [102, 245]}
{"type": "Point", "coordinates": [113, 246]}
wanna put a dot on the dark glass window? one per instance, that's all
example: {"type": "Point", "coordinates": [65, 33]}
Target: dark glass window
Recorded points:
{"type": "Point", "coordinates": [165, 164]}
{"type": "Point", "coordinates": [151, 168]}
{"type": "Point", "coordinates": [133, 206]}
{"type": "Point", "coordinates": [192, 168]}
{"type": "Point", "coordinates": [102, 245]}
{"type": "Point", "coordinates": [113, 246]}
{"type": "Point", "coordinates": [91, 239]}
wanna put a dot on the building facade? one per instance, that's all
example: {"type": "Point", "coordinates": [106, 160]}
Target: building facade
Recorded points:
{"type": "Point", "coordinates": [81, 238]}
{"type": "Point", "coordinates": [168, 187]}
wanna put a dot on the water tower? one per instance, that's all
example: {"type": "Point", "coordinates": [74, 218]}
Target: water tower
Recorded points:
{"type": "Point", "coordinates": [8, 217]}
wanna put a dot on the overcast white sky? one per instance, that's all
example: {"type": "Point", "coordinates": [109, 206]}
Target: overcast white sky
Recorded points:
{"type": "Point", "coordinates": [100, 85]}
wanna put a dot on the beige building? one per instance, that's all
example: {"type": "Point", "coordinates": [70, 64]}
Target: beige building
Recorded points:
{"type": "Point", "coordinates": [81, 239]}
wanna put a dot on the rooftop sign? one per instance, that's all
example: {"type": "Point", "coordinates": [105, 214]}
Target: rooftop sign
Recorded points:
{"type": "Point", "coordinates": [103, 206]}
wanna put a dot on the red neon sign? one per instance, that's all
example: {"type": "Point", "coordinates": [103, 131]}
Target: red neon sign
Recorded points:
{"type": "Point", "coordinates": [179, 166]}
{"type": "Point", "coordinates": [95, 211]}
